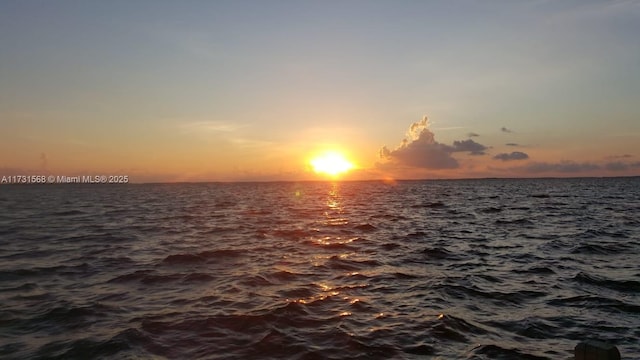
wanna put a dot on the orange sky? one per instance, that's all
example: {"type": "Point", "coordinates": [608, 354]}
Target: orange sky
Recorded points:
{"type": "Point", "coordinates": [214, 92]}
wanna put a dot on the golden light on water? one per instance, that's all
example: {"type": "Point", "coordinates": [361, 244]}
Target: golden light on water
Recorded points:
{"type": "Point", "coordinates": [332, 163]}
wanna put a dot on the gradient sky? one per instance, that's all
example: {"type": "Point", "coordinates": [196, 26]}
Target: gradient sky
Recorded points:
{"type": "Point", "coordinates": [250, 90]}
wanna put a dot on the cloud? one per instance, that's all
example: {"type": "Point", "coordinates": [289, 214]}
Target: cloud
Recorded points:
{"type": "Point", "coordinates": [469, 145]}
{"type": "Point", "coordinates": [563, 167]}
{"type": "Point", "coordinates": [504, 129]}
{"type": "Point", "coordinates": [512, 144]}
{"type": "Point", "coordinates": [620, 166]}
{"type": "Point", "coordinates": [572, 168]}
{"type": "Point", "coordinates": [616, 166]}
{"type": "Point", "coordinates": [516, 155]}
{"type": "Point", "coordinates": [623, 156]}
{"type": "Point", "coordinates": [472, 134]}
{"type": "Point", "coordinates": [420, 149]}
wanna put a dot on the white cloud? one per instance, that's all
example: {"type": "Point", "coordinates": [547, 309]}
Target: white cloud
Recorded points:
{"type": "Point", "coordinates": [420, 149]}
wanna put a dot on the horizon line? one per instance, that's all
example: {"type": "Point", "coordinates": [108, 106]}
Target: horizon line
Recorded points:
{"type": "Point", "coordinates": [334, 180]}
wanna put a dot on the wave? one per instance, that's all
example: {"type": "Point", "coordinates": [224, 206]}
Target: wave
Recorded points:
{"type": "Point", "coordinates": [495, 352]}
{"type": "Point", "coordinates": [203, 256]}
{"type": "Point", "coordinates": [624, 286]}
{"type": "Point", "coordinates": [482, 269]}
{"type": "Point", "coordinates": [596, 302]}
{"type": "Point", "coordinates": [430, 205]}
{"type": "Point", "coordinates": [600, 249]}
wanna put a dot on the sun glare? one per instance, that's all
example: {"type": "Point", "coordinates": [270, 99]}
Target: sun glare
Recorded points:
{"type": "Point", "coordinates": [331, 163]}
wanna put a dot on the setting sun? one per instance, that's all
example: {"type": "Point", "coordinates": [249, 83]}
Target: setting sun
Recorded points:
{"type": "Point", "coordinates": [331, 163]}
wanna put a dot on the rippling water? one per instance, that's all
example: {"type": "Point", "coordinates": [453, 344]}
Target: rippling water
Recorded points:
{"type": "Point", "coordinates": [473, 269]}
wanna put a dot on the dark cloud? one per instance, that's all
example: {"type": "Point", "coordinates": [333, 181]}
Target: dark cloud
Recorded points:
{"type": "Point", "coordinates": [504, 129]}
{"type": "Point", "coordinates": [573, 168]}
{"type": "Point", "coordinates": [468, 145]}
{"type": "Point", "coordinates": [624, 156]}
{"type": "Point", "coordinates": [472, 134]}
{"type": "Point", "coordinates": [422, 154]}
{"type": "Point", "coordinates": [620, 166]}
{"type": "Point", "coordinates": [563, 167]}
{"type": "Point", "coordinates": [420, 149]}
{"type": "Point", "coordinates": [512, 144]}
{"type": "Point", "coordinates": [516, 155]}
{"type": "Point", "coordinates": [616, 166]}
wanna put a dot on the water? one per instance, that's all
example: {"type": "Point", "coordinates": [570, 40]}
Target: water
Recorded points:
{"type": "Point", "coordinates": [473, 269]}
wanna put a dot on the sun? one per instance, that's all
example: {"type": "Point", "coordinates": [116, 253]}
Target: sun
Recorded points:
{"type": "Point", "coordinates": [331, 163]}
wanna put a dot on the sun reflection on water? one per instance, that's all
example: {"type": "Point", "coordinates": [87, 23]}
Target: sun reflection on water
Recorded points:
{"type": "Point", "coordinates": [333, 200]}
{"type": "Point", "coordinates": [334, 256]}
{"type": "Point", "coordinates": [334, 213]}
{"type": "Point", "coordinates": [335, 240]}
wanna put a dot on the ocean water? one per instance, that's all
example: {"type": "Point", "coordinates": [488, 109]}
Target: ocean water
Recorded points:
{"type": "Point", "coordinates": [469, 269]}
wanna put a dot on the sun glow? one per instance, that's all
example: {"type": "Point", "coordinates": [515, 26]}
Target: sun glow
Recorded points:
{"type": "Point", "coordinates": [331, 163]}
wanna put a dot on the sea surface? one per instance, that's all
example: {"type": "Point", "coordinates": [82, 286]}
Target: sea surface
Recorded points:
{"type": "Point", "coordinates": [465, 269]}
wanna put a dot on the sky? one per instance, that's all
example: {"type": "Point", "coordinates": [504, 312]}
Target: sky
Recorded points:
{"type": "Point", "coordinates": [165, 91]}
